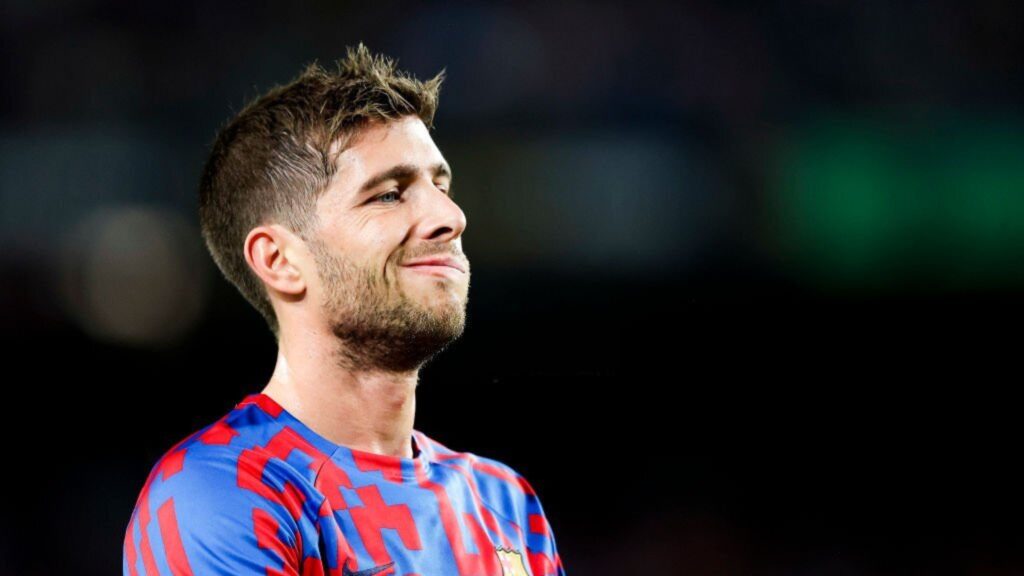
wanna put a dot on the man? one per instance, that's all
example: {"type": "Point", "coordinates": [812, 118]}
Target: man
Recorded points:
{"type": "Point", "coordinates": [328, 205]}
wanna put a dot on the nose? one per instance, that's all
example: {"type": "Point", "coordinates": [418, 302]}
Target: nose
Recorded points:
{"type": "Point", "coordinates": [441, 219]}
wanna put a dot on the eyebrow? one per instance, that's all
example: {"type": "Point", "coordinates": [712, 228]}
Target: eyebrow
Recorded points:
{"type": "Point", "coordinates": [402, 172]}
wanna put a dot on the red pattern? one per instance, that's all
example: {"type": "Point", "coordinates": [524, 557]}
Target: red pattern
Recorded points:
{"type": "Point", "coordinates": [173, 549]}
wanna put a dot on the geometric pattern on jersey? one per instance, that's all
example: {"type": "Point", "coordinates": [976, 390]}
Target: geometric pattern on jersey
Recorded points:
{"type": "Point", "coordinates": [259, 492]}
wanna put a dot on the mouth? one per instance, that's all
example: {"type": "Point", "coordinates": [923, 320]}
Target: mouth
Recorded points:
{"type": "Point", "coordinates": [437, 270]}
{"type": "Point", "coordinates": [437, 262]}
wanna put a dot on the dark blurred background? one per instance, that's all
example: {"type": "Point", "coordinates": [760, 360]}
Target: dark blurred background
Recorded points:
{"type": "Point", "coordinates": [748, 278]}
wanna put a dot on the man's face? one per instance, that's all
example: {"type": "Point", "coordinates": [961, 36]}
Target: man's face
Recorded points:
{"type": "Point", "coordinates": [387, 314]}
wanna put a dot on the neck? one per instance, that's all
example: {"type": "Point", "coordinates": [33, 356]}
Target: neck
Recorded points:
{"type": "Point", "coordinates": [366, 410]}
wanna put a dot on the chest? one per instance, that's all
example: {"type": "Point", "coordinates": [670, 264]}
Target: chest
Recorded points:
{"type": "Point", "coordinates": [385, 529]}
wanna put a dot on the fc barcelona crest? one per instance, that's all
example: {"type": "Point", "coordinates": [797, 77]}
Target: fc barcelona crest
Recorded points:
{"type": "Point", "coordinates": [511, 562]}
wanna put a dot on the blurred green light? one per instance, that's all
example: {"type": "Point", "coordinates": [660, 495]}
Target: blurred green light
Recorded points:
{"type": "Point", "coordinates": [873, 205]}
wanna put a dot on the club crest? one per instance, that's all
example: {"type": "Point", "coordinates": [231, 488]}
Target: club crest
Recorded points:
{"type": "Point", "coordinates": [511, 562]}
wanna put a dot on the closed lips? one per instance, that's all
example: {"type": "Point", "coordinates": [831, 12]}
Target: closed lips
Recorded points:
{"type": "Point", "coordinates": [438, 262]}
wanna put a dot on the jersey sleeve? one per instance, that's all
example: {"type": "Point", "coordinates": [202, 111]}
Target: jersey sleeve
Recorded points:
{"type": "Point", "coordinates": [540, 540]}
{"type": "Point", "coordinates": [218, 513]}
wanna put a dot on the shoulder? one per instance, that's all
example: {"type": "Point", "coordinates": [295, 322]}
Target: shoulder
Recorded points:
{"type": "Point", "coordinates": [501, 486]}
{"type": "Point", "coordinates": [219, 501]}
{"type": "Point", "coordinates": [211, 480]}
{"type": "Point", "coordinates": [226, 466]}
{"type": "Point", "coordinates": [221, 509]}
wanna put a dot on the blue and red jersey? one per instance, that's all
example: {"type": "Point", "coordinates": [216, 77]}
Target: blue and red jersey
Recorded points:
{"type": "Point", "coordinates": [259, 492]}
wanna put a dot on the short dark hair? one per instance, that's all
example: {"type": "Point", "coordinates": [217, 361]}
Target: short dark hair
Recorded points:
{"type": "Point", "coordinates": [272, 160]}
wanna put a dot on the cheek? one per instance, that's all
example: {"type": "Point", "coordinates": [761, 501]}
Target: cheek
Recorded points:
{"type": "Point", "coordinates": [374, 240]}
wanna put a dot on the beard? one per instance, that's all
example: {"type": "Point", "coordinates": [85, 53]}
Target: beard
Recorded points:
{"type": "Point", "coordinates": [378, 325]}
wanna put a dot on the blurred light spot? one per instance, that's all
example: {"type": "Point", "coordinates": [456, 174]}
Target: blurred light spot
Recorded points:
{"type": "Point", "coordinates": [134, 275]}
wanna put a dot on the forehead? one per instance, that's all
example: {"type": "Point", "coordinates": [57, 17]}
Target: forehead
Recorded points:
{"type": "Point", "coordinates": [380, 146]}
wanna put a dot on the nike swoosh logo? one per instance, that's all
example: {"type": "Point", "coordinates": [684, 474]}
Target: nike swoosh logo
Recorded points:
{"type": "Point", "coordinates": [368, 572]}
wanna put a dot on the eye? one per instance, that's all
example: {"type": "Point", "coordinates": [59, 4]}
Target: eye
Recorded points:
{"type": "Point", "coordinates": [384, 195]}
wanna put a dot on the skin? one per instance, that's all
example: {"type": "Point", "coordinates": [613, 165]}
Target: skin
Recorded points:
{"type": "Point", "coordinates": [356, 326]}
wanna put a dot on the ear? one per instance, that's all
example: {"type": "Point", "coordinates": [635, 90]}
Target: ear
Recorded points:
{"type": "Point", "coordinates": [279, 258]}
